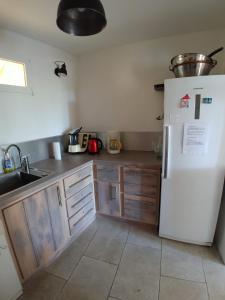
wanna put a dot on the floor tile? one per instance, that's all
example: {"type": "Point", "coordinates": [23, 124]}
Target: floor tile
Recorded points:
{"type": "Point", "coordinates": [215, 275]}
{"type": "Point", "coordinates": [144, 237]}
{"type": "Point", "coordinates": [182, 261]}
{"type": "Point", "coordinates": [106, 249]}
{"type": "Point", "coordinates": [111, 228]}
{"type": "Point", "coordinates": [138, 274]}
{"type": "Point", "coordinates": [91, 280]}
{"type": "Point", "coordinates": [42, 286]}
{"type": "Point", "coordinates": [65, 264]}
{"type": "Point", "coordinates": [177, 289]}
{"type": "Point", "coordinates": [88, 234]}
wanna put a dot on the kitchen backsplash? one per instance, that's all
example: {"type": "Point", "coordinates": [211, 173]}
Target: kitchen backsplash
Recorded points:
{"type": "Point", "coordinates": [37, 150]}
{"type": "Point", "coordinates": [137, 141]}
{"type": "Point", "coordinates": [41, 149]}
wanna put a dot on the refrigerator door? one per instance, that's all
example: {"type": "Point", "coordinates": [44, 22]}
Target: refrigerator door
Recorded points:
{"type": "Point", "coordinates": [192, 183]}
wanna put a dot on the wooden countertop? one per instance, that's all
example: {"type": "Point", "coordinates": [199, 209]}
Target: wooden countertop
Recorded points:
{"type": "Point", "coordinates": [70, 163]}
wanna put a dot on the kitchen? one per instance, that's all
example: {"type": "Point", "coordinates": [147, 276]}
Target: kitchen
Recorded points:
{"type": "Point", "coordinates": [109, 87]}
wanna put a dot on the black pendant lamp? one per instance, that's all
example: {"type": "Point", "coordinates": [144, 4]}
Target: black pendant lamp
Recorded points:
{"type": "Point", "coordinates": [81, 17]}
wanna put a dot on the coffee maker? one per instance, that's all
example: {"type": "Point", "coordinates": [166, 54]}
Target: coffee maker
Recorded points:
{"type": "Point", "coordinates": [78, 141]}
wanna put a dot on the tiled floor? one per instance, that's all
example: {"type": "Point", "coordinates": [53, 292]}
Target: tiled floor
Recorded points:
{"type": "Point", "coordinates": [116, 261]}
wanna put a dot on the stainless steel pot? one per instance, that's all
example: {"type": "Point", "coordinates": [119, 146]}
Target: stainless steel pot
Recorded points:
{"type": "Point", "coordinates": [193, 64]}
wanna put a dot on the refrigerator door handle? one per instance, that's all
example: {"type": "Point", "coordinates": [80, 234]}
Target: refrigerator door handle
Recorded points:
{"type": "Point", "coordinates": [166, 151]}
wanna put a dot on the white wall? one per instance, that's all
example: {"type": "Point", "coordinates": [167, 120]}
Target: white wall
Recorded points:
{"type": "Point", "coordinates": [52, 108]}
{"type": "Point", "coordinates": [116, 84]}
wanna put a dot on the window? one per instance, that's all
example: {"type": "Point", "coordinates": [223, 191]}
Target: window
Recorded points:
{"type": "Point", "coordinates": [12, 73]}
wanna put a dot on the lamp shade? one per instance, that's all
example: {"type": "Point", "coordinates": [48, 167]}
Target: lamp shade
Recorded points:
{"type": "Point", "coordinates": [81, 17]}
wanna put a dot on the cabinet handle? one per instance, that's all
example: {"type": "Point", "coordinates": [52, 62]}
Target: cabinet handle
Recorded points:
{"type": "Point", "coordinates": [59, 196]}
{"type": "Point", "coordinates": [166, 151]}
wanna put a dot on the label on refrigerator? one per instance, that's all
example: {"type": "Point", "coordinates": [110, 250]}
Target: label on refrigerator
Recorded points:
{"type": "Point", "coordinates": [195, 138]}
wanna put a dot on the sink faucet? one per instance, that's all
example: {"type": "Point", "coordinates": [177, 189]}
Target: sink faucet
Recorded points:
{"type": "Point", "coordinates": [24, 161]}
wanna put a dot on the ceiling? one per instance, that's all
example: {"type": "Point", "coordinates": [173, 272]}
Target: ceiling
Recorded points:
{"type": "Point", "coordinates": [128, 21]}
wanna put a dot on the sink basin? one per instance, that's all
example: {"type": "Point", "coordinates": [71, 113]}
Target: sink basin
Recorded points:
{"type": "Point", "coordinates": [15, 180]}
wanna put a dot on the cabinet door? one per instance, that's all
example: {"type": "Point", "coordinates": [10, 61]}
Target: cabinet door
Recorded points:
{"type": "Point", "coordinates": [38, 218]}
{"type": "Point", "coordinates": [106, 172]}
{"type": "Point", "coordinates": [140, 210]}
{"type": "Point", "coordinates": [15, 220]}
{"type": "Point", "coordinates": [107, 195]}
{"type": "Point", "coordinates": [58, 216]}
{"type": "Point", "coordinates": [141, 188]}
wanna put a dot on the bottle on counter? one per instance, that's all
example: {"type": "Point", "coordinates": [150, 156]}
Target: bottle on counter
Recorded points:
{"type": "Point", "coordinates": [8, 163]}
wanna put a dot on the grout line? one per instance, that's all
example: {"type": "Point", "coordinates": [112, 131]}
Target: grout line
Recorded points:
{"type": "Point", "coordinates": [144, 246]}
{"type": "Point", "coordinates": [205, 279]}
{"type": "Point", "coordinates": [119, 264]}
{"type": "Point", "coordinates": [160, 272]}
{"type": "Point", "coordinates": [100, 260]}
{"type": "Point", "coordinates": [193, 281]}
{"type": "Point", "coordinates": [54, 275]}
{"type": "Point", "coordinates": [76, 265]}
{"type": "Point", "coordinates": [56, 297]}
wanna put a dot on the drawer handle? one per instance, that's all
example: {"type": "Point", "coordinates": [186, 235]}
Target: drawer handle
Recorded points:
{"type": "Point", "coordinates": [59, 196]}
{"type": "Point", "coordinates": [73, 184]}
{"type": "Point", "coordinates": [75, 204]}
{"type": "Point", "coordinates": [84, 214]}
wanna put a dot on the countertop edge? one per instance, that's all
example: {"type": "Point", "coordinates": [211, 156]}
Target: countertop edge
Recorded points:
{"type": "Point", "coordinates": [19, 194]}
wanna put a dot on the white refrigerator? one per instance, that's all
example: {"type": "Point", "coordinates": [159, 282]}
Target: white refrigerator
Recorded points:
{"type": "Point", "coordinates": [193, 167]}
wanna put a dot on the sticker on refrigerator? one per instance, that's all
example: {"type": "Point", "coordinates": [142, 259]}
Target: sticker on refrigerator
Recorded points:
{"type": "Point", "coordinates": [207, 100]}
{"type": "Point", "coordinates": [195, 138]}
{"type": "Point", "coordinates": [184, 101]}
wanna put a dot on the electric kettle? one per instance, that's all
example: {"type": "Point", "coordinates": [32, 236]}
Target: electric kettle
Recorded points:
{"type": "Point", "coordinates": [94, 145]}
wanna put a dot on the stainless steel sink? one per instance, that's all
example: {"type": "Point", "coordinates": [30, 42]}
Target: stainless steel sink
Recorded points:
{"type": "Point", "coordinates": [17, 179]}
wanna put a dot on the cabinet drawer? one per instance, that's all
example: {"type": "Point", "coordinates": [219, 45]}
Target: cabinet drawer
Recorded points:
{"type": "Point", "coordinates": [140, 190]}
{"type": "Point", "coordinates": [75, 178]}
{"type": "Point", "coordinates": [74, 208]}
{"type": "Point", "coordinates": [141, 176]}
{"type": "Point", "coordinates": [76, 187]}
{"type": "Point", "coordinates": [78, 197]}
{"type": "Point", "coordinates": [140, 211]}
{"type": "Point", "coordinates": [149, 200]}
{"type": "Point", "coordinates": [108, 173]}
{"type": "Point", "coordinates": [78, 216]}
{"type": "Point", "coordinates": [83, 223]}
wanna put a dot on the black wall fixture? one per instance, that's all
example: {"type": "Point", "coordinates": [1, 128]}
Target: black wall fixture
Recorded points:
{"type": "Point", "coordinates": [81, 17]}
{"type": "Point", "coordinates": [60, 69]}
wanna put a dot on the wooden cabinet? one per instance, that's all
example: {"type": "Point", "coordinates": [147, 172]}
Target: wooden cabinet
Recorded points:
{"type": "Point", "coordinates": [80, 198]}
{"type": "Point", "coordinates": [129, 192]}
{"type": "Point", "coordinates": [45, 223]}
{"type": "Point", "coordinates": [58, 216]}
{"type": "Point", "coordinates": [107, 172]}
{"type": "Point", "coordinates": [20, 238]}
{"type": "Point", "coordinates": [141, 188]}
{"type": "Point", "coordinates": [40, 225]}
{"type": "Point", "coordinates": [77, 181]}
{"type": "Point", "coordinates": [36, 228]}
{"type": "Point", "coordinates": [108, 196]}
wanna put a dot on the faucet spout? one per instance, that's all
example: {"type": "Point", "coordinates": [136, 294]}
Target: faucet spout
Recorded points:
{"type": "Point", "coordinates": [18, 149]}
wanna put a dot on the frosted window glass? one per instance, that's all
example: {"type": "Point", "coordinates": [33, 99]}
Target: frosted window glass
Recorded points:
{"type": "Point", "coordinates": [12, 73]}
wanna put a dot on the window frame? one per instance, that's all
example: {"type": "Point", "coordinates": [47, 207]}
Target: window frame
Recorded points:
{"type": "Point", "coordinates": [5, 88]}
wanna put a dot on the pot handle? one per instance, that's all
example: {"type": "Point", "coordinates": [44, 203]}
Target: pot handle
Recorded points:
{"type": "Point", "coordinates": [214, 62]}
{"type": "Point", "coordinates": [215, 52]}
